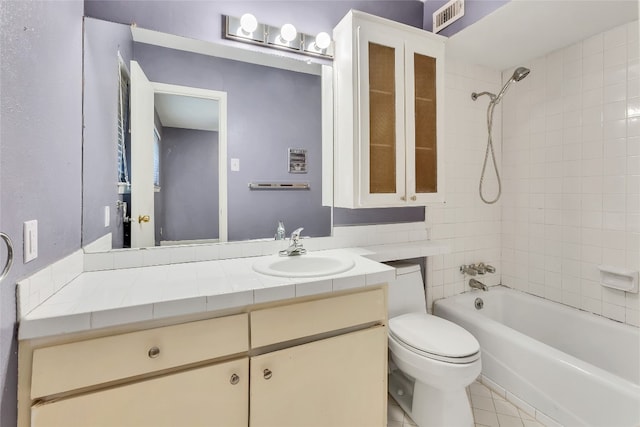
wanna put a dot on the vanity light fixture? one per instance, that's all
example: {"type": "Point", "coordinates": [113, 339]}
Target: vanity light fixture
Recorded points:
{"type": "Point", "coordinates": [247, 29]}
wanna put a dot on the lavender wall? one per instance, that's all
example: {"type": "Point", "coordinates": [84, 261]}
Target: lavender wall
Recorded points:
{"type": "Point", "coordinates": [189, 184]}
{"type": "Point", "coordinates": [40, 150]}
{"type": "Point", "coordinates": [202, 19]}
{"type": "Point", "coordinates": [103, 40]}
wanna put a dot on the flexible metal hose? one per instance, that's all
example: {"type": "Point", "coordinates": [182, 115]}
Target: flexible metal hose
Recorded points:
{"type": "Point", "coordinates": [493, 157]}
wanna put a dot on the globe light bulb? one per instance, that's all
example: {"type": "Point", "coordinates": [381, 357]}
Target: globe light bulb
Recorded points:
{"type": "Point", "coordinates": [288, 32]}
{"type": "Point", "coordinates": [323, 40]}
{"type": "Point", "coordinates": [248, 23]}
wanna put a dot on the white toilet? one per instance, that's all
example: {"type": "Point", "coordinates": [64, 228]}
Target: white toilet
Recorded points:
{"type": "Point", "coordinates": [432, 361]}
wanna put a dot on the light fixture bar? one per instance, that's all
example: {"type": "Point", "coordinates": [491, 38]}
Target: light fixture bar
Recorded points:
{"type": "Point", "coordinates": [247, 29]}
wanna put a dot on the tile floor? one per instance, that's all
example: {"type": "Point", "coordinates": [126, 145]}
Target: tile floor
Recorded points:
{"type": "Point", "coordinates": [489, 409]}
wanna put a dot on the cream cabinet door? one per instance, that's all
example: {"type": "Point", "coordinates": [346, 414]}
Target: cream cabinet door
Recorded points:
{"type": "Point", "coordinates": [215, 395]}
{"type": "Point", "coordinates": [339, 381]}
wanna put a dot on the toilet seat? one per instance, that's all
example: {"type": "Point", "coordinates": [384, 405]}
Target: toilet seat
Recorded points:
{"type": "Point", "coordinates": [434, 337]}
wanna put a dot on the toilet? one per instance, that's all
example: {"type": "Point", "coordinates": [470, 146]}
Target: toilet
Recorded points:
{"type": "Point", "coordinates": [432, 360]}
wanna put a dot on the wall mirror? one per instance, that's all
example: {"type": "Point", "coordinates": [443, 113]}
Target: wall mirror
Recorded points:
{"type": "Point", "coordinates": [263, 105]}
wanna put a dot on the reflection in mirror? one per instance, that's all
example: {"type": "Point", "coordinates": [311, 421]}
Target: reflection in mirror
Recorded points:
{"type": "Point", "coordinates": [189, 157]}
{"type": "Point", "coordinates": [181, 167]}
{"type": "Point", "coordinates": [270, 110]}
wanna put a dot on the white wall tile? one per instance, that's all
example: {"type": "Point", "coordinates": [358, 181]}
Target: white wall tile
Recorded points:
{"type": "Point", "coordinates": [572, 196]}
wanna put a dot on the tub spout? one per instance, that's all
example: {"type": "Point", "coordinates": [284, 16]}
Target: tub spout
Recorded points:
{"type": "Point", "coordinates": [476, 284]}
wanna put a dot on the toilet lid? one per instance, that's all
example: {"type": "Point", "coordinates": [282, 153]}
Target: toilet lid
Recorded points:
{"type": "Point", "coordinates": [433, 335]}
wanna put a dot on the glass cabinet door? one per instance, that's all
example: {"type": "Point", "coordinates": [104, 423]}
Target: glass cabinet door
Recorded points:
{"type": "Point", "coordinates": [426, 172]}
{"type": "Point", "coordinates": [424, 83]}
{"type": "Point", "coordinates": [382, 119]}
{"type": "Point", "coordinates": [382, 98]}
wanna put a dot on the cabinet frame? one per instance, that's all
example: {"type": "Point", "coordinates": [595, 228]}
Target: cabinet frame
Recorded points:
{"type": "Point", "coordinates": [351, 82]}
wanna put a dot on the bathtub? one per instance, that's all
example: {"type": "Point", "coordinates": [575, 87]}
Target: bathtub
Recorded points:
{"type": "Point", "coordinates": [575, 367]}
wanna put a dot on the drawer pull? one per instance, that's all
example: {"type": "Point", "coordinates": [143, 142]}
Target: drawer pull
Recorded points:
{"type": "Point", "coordinates": [154, 352]}
{"type": "Point", "coordinates": [267, 374]}
{"type": "Point", "coordinates": [235, 379]}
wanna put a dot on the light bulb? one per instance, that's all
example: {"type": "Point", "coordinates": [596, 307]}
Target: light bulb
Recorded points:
{"type": "Point", "coordinates": [323, 40]}
{"type": "Point", "coordinates": [248, 23]}
{"type": "Point", "coordinates": [288, 32]}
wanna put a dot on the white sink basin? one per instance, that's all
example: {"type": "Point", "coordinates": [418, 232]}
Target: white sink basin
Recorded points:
{"type": "Point", "coordinates": [303, 265]}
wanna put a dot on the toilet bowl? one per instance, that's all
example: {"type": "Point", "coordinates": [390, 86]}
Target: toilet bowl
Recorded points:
{"type": "Point", "coordinates": [432, 360]}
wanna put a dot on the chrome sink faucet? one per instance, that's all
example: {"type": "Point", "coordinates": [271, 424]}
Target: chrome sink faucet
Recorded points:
{"type": "Point", "coordinates": [295, 247]}
{"type": "Point", "coordinates": [476, 284]}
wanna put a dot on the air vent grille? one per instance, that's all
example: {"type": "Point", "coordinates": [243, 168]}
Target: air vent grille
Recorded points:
{"type": "Point", "coordinates": [447, 14]}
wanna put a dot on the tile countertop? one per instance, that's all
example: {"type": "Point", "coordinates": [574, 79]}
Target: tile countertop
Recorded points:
{"type": "Point", "coordinates": [116, 297]}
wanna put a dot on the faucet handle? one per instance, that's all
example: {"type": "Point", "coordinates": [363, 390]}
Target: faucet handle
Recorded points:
{"type": "Point", "coordinates": [468, 269]}
{"type": "Point", "coordinates": [295, 235]}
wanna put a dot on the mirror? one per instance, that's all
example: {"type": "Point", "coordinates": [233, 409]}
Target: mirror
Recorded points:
{"type": "Point", "coordinates": [274, 104]}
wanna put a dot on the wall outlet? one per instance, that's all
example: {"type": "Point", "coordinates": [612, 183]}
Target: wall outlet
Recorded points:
{"type": "Point", "coordinates": [235, 165]}
{"type": "Point", "coordinates": [30, 236]}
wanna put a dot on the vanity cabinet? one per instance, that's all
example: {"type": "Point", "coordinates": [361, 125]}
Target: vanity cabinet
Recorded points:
{"type": "Point", "coordinates": [313, 361]}
{"type": "Point", "coordinates": [389, 113]}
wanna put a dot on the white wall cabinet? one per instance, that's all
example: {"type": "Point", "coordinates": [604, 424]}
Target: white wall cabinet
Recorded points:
{"type": "Point", "coordinates": [389, 114]}
{"type": "Point", "coordinates": [316, 361]}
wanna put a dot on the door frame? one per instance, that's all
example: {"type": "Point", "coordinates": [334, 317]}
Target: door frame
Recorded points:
{"type": "Point", "coordinates": [221, 97]}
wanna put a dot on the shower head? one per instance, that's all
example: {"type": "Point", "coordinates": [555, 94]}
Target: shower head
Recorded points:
{"type": "Point", "coordinates": [519, 74]}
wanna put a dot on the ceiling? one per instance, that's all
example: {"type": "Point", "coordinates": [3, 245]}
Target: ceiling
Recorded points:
{"type": "Point", "coordinates": [522, 30]}
{"type": "Point", "coordinates": [187, 112]}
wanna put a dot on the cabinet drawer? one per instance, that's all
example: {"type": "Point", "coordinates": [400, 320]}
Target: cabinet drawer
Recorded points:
{"type": "Point", "coordinates": [80, 364]}
{"type": "Point", "coordinates": [205, 396]}
{"type": "Point", "coordinates": [279, 324]}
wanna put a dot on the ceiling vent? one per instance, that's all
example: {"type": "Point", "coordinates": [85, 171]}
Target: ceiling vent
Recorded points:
{"type": "Point", "coordinates": [447, 14]}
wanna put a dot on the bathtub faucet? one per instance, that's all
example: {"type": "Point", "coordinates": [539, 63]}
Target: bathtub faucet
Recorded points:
{"type": "Point", "coordinates": [476, 284]}
{"type": "Point", "coordinates": [468, 269]}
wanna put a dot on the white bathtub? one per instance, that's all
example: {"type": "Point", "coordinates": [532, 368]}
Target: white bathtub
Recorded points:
{"type": "Point", "coordinates": [575, 367]}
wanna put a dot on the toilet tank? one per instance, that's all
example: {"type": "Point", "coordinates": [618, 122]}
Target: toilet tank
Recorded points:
{"type": "Point", "coordinates": [406, 293]}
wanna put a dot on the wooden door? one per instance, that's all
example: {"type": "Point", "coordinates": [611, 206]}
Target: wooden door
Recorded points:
{"type": "Point", "coordinates": [142, 189]}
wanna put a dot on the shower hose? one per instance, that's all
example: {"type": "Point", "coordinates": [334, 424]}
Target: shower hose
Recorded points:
{"type": "Point", "coordinates": [493, 157]}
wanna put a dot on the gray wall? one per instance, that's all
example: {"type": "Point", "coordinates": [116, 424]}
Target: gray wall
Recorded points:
{"type": "Point", "coordinates": [40, 150]}
{"type": "Point", "coordinates": [189, 184]}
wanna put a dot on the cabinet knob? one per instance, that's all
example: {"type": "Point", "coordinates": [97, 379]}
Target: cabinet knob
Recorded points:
{"type": "Point", "coordinates": [235, 379]}
{"type": "Point", "coordinates": [267, 374]}
{"type": "Point", "coordinates": [154, 352]}
{"type": "Point", "coordinates": [414, 197]}
{"type": "Point", "coordinates": [403, 198]}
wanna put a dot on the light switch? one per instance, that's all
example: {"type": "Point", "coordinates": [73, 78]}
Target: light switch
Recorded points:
{"type": "Point", "coordinates": [107, 216]}
{"type": "Point", "coordinates": [235, 165]}
{"type": "Point", "coordinates": [30, 235]}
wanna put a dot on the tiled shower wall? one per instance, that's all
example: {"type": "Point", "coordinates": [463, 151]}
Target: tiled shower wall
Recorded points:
{"type": "Point", "coordinates": [471, 227]}
{"type": "Point", "coordinates": [571, 170]}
